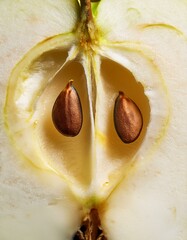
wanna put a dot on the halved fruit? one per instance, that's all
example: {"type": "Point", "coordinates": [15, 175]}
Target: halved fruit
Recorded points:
{"type": "Point", "coordinates": [129, 53]}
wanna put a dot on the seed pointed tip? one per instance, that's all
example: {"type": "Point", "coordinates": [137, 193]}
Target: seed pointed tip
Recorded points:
{"type": "Point", "coordinates": [121, 93]}
{"type": "Point", "coordinates": [71, 81]}
{"type": "Point", "coordinates": [69, 84]}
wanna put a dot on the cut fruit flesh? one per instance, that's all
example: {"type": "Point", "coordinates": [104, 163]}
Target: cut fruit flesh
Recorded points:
{"type": "Point", "coordinates": [93, 178]}
{"type": "Point", "coordinates": [40, 75]}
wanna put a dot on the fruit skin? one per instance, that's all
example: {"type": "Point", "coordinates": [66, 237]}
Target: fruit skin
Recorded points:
{"type": "Point", "coordinates": [156, 192]}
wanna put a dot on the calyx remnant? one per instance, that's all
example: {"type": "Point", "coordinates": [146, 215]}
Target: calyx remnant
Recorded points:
{"type": "Point", "coordinates": [67, 112]}
{"type": "Point", "coordinates": [90, 228]}
{"type": "Point", "coordinates": [127, 118]}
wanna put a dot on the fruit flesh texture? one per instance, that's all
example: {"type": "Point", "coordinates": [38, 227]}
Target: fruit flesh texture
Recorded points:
{"type": "Point", "coordinates": [28, 108]}
{"type": "Point", "coordinates": [115, 162]}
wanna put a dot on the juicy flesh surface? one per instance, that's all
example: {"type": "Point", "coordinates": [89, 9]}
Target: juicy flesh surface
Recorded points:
{"type": "Point", "coordinates": [96, 160]}
{"type": "Point", "coordinates": [134, 57]}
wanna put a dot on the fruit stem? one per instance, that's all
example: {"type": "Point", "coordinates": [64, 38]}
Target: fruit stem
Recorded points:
{"type": "Point", "coordinates": [87, 30]}
{"type": "Point", "coordinates": [86, 7]}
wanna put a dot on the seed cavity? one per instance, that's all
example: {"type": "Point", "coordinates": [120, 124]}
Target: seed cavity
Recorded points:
{"type": "Point", "coordinates": [128, 119]}
{"type": "Point", "coordinates": [67, 112]}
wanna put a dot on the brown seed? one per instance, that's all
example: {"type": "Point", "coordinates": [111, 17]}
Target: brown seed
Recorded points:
{"type": "Point", "coordinates": [67, 112]}
{"type": "Point", "coordinates": [127, 118]}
